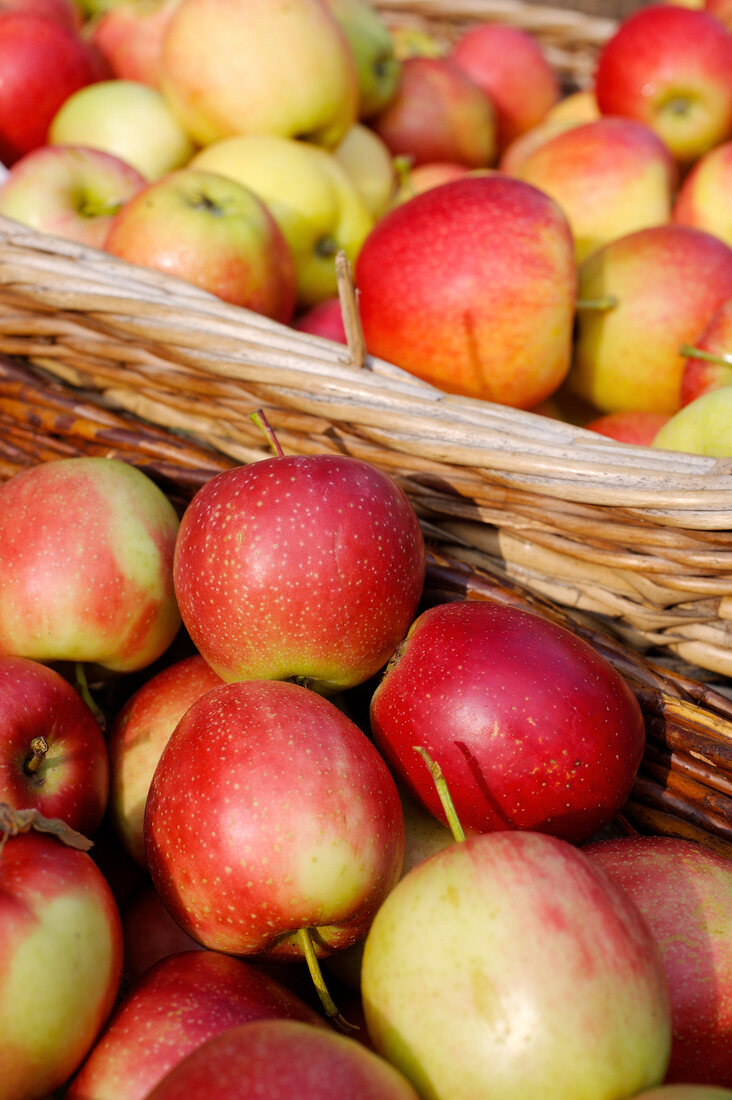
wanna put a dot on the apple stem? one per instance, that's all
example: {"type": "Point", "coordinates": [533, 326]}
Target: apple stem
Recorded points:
{"type": "Point", "coordinates": [82, 686]}
{"type": "Point", "coordinates": [690, 352]}
{"type": "Point", "coordinates": [598, 304]}
{"type": "Point", "coordinates": [259, 417]}
{"type": "Point", "coordinates": [444, 792]}
{"type": "Point", "coordinates": [39, 748]}
{"type": "Point", "coordinates": [331, 1009]}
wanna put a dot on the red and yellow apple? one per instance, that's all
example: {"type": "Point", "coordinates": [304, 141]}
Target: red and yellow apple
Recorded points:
{"type": "Point", "coordinates": [703, 200]}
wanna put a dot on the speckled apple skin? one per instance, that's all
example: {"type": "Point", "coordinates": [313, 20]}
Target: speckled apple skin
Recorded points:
{"type": "Point", "coordinates": [532, 728]}
{"type": "Point", "coordinates": [307, 568]}
{"type": "Point", "coordinates": [72, 780]}
{"type": "Point", "coordinates": [510, 966]}
{"type": "Point", "coordinates": [684, 891]}
{"type": "Point", "coordinates": [86, 559]}
{"type": "Point", "coordinates": [271, 811]}
{"type": "Point", "coordinates": [181, 1003]}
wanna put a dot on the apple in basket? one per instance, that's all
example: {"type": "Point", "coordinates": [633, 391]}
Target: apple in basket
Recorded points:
{"type": "Point", "coordinates": [68, 191]}
{"type": "Point", "coordinates": [703, 198]}
{"type": "Point", "coordinates": [684, 891]}
{"type": "Point", "coordinates": [610, 177]}
{"type": "Point", "coordinates": [54, 755]}
{"type": "Point", "coordinates": [510, 966]}
{"type": "Point", "coordinates": [212, 232]}
{"type": "Point", "coordinates": [509, 64]}
{"type": "Point", "coordinates": [179, 1004]}
{"type": "Point", "coordinates": [41, 63]}
{"type": "Point", "coordinates": [86, 557]}
{"type": "Point", "coordinates": [299, 567]}
{"type": "Point", "coordinates": [670, 66]}
{"type": "Point", "coordinates": [703, 427]}
{"type": "Point", "coordinates": [60, 959]}
{"type": "Point", "coordinates": [66, 12]}
{"type": "Point", "coordinates": [438, 113]}
{"type": "Point", "coordinates": [708, 365]}
{"type": "Point", "coordinates": [126, 118]}
{"type": "Point", "coordinates": [251, 66]}
{"type": "Point", "coordinates": [471, 286]}
{"type": "Point", "coordinates": [531, 727]}
{"type": "Point", "coordinates": [659, 288]}
{"type": "Point", "coordinates": [129, 36]}
{"type": "Point", "coordinates": [377, 66]}
{"type": "Point", "coordinates": [637, 427]}
{"type": "Point", "coordinates": [368, 161]}
{"type": "Point", "coordinates": [283, 1058]}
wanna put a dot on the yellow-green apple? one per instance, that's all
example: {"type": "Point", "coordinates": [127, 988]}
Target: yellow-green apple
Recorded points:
{"type": "Point", "coordinates": [472, 286]}
{"type": "Point", "coordinates": [438, 113]}
{"type": "Point", "coordinates": [126, 118]}
{"type": "Point", "coordinates": [703, 198]}
{"type": "Point", "coordinates": [702, 427]}
{"type": "Point", "coordinates": [511, 965]}
{"type": "Point", "coordinates": [54, 755]}
{"type": "Point", "coordinates": [331, 605]}
{"type": "Point", "coordinates": [309, 194]}
{"type": "Point", "coordinates": [174, 1008]}
{"type": "Point", "coordinates": [251, 66]}
{"type": "Point", "coordinates": [66, 12]}
{"type": "Point", "coordinates": [610, 177]}
{"type": "Point", "coordinates": [414, 40]}
{"type": "Point", "coordinates": [129, 35]}
{"type": "Point", "coordinates": [213, 232]}
{"type": "Point", "coordinates": [279, 1058]}
{"type": "Point", "coordinates": [377, 66]}
{"type": "Point", "coordinates": [86, 557]}
{"type": "Point", "coordinates": [709, 359]}
{"type": "Point", "coordinates": [671, 68]}
{"type": "Point", "coordinates": [635, 426]}
{"type": "Point", "coordinates": [41, 63]}
{"type": "Point", "coordinates": [324, 319]}
{"type": "Point", "coordinates": [665, 282]}
{"type": "Point", "coordinates": [314, 832]}
{"type": "Point", "coordinates": [69, 191]}
{"type": "Point", "coordinates": [532, 727]}
{"type": "Point", "coordinates": [684, 891]}
{"type": "Point", "coordinates": [138, 736]}
{"type": "Point", "coordinates": [150, 933]}
{"type": "Point", "coordinates": [60, 961]}
{"type": "Point", "coordinates": [368, 161]}
{"type": "Point", "coordinates": [509, 64]}
{"type": "Point", "coordinates": [579, 106]}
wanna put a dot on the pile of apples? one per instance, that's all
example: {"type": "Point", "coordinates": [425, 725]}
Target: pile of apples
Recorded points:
{"type": "Point", "coordinates": [239, 743]}
{"type": "Point", "coordinates": [568, 254]}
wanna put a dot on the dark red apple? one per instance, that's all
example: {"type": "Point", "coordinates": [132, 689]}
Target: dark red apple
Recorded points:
{"type": "Point", "coordinates": [684, 891]}
{"type": "Point", "coordinates": [179, 1004]}
{"type": "Point", "coordinates": [633, 426]}
{"type": "Point", "coordinates": [53, 757]}
{"type": "Point", "coordinates": [269, 812]}
{"type": "Point", "coordinates": [306, 568]}
{"type": "Point", "coordinates": [324, 319]}
{"type": "Point", "coordinates": [150, 933]}
{"type": "Point", "coordinates": [281, 1059]}
{"type": "Point", "coordinates": [532, 728]}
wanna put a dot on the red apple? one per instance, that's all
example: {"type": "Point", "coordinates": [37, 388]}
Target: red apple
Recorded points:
{"type": "Point", "coordinates": [438, 113]}
{"type": "Point", "coordinates": [712, 367]}
{"type": "Point", "coordinates": [66, 12]}
{"type": "Point", "coordinates": [178, 1005]}
{"type": "Point", "coordinates": [662, 286]}
{"type": "Point", "coordinates": [69, 191]}
{"type": "Point", "coordinates": [150, 933]}
{"type": "Point", "coordinates": [720, 9]}
{"type": "Point", "coordinates": [213, 232]}
{"type": "Point", "coordinates": [703, 198]}
{"type": "Point", "coordinates": [139, 735]}
{"type": "Point", "coordinates": [472, 286]}
{"type": "Point", "coordinates": [324, 319]}
{"type": "Point", "coordinates": [610, 177]}
{"type": "Point", "coordinates": [307, 568]}
{"type": "Point", "coordinates": [637, 427]}
{"type": "Point", "coordinates": [670, 67]}
{"type": "Point", "coordinates": [414, 179]}
{"type": "Point", "coordinates": [684, 891]}
{"type": "Point", "coordinates": [275, 1059]}
{"type": "Point", "coordinates": [532, 728]}
{"type": "Point", "coordinates": [129, 35]}
{"type": "Point", "coordinates": [41, 63]}
{"type": "Point", "coordinates": [86, 557]}
{"type": "Point", "coordinates": [60, 961]}
{"type": "Point", "coordinates": [54, 757]}
{"type": "Point", "coordinates": [509, 64]}
{"type": "Point", "coordinates": [269, 812]}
